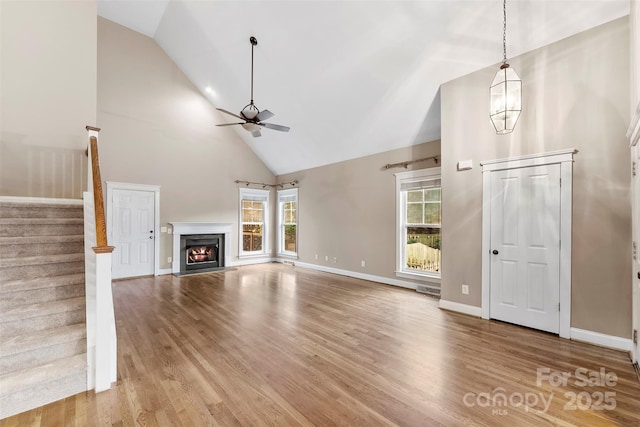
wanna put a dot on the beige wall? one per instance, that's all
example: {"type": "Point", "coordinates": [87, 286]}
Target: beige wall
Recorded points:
{"type": "Point", "coordinates": [347, 211]}
{"type": "Point", "coordinates": [48, 96]}
{"type": "Point", "coordinates": [575, 94]}
{"type": "Point", "coordinates": [158, 129]}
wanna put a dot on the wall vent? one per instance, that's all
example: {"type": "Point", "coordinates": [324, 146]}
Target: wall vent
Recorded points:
{"type": "Point", "coordinates": [429, 290]}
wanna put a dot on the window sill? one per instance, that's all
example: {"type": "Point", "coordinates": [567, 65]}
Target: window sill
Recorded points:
{"type": "Point", "coordinates": [287, 255]}
{"type": "Point", "coordinates": [419, 276]}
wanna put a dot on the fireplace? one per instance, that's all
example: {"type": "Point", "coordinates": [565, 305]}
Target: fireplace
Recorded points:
{"type": "Point", "coordinates": [200, 246]}
{"type": "Point", "coordinates": [201, 252]}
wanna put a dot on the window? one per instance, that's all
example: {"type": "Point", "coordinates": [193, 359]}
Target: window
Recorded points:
{"type": "Point", "coordinates": [419, 221]}
{"type": "Point", "coordinates": [253, 221]}
{"type": "Point", "coordinates": [288, 222]}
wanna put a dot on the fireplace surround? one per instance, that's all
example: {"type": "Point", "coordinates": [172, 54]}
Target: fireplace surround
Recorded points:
{"type": "Point", "coordinates": [200, 246]}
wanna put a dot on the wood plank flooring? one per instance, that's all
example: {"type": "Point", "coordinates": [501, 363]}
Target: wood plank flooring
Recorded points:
{"type": "Point", "coordinates": [282, 346]}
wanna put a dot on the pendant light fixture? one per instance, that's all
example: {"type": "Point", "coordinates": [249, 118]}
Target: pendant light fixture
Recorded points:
{"type": "Point", "coordinates": [506, 90]}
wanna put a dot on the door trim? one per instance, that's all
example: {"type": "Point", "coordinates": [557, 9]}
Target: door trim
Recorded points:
{"type": "Point", "coordinates": [565, 159]}
{"type": "Point", "coordinates": [111, 186]}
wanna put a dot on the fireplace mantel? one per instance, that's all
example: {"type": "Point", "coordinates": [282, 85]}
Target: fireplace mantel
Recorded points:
{"type": "Point", "coordinates": [181, 228]}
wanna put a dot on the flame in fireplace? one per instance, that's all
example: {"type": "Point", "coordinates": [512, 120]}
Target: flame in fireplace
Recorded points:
{"type": "Point", "coordinates": [200, 253]}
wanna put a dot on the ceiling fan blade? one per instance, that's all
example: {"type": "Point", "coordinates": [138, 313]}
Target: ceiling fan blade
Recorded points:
{"type": "Point", "coordinates": [275, 127]}
{"type": "Point", "coordinates": [230, 113]}
{"type": "Point", "coordinates": [256, 133]}
{"type": "Point", "coordinates": [264, 115]}
{"type": "Point", "coordinates": [230, 124]}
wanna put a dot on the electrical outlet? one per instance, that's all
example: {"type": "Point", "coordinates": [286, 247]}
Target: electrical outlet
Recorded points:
{"type": "Point", "coordinates": [170, 230]}
{"type": "Point", "coordinates": [316, 256]}
{"type": "Point", "coordinates": [169, 259]}
{"type": "Point", "coordinates": [465, 289]}
{"type": "Point", "coordinates": [163, 229]}
{"type": "Point", "coordinates": [335, 260]}
{"type": "Point", "coordinates": [362, 263]}
{"type": "Point", "coordinates": [326, 257]}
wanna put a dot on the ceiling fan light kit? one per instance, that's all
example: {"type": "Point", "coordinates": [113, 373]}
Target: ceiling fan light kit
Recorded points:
{"type": "Point", "coordinates": [506, 90]}
{"type": "Point", "coordinates": [252, 116]}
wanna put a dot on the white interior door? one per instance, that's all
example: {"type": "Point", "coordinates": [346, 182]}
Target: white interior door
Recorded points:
{"type": "Point", "coordinates": [525, 247]}
{"type": "Point", "coordinates": [635, 214]}
{"type": "Point", "coordinates": [133, 232]}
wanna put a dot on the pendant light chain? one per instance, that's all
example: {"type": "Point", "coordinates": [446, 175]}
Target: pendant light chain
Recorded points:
{"type": "Point", "coordinates": [504, 32]}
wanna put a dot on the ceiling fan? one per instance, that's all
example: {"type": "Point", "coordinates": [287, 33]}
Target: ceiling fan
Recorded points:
{"type": "Point", "coordinates": [252, 117]}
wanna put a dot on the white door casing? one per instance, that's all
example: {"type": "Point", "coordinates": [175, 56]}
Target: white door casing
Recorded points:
{"type": "Point", "coordinates": [132, 227]}
{"type": "Point", "coordinates": [564, 159]}
{"type": "Point", "coordinates": [525, 245]}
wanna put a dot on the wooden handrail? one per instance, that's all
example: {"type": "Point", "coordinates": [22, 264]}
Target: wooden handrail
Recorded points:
{"type": "Point", "coordinates": [101, 226]}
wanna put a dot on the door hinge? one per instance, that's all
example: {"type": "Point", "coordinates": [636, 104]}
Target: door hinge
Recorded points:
{"type": "Point", "coordinates": [634, 249]}
{"type": "Point", "coordinates": [558, 306]}
{"type": "Point", "coordinates": [633, 169]}
{"type": "Point", "coordinates": [635, 336]}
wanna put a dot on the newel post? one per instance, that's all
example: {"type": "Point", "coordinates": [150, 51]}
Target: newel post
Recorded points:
{"type": "Point", "coordinates": [101, 327]}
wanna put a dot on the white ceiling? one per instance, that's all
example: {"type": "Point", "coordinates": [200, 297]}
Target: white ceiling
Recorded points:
{"type": "Point", "coordinates": [350, 78]}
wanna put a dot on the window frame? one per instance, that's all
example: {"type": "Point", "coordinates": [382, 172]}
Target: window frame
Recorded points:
{"type": "Point", "coordinates": [401, 223]}
{"type": "Point", "coordinates": [280, 221]}
{"type": "Point", "coordinates": [253, 194]}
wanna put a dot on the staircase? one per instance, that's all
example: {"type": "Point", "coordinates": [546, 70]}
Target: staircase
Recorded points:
{"type": "Point", "coordinates": [43, 351]}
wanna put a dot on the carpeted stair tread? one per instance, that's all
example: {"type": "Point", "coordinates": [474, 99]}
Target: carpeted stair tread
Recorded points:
{"type": "Point", "coordinates": [60, 204]}
{"type": "Point", "coordinates": [39, 221]}
{"type": "Point", "coordinates": [40, 210]}
{"type": "Point", "coordinates": [45, 383]}
{"type": "Point", "coordinates": [37, 240]}
{"type": "Point", "coordinates": [40, 283]}
{"type": "Point", "coordinates": [42, 339]}
{"type": "Point", "coordinates": [28, 311]}
{"type": "Point", "coordinates": [40, 260]}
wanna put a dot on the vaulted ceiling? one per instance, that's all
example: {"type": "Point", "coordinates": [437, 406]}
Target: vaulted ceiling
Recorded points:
{"type": "Point", "coordinates": [350, 78]}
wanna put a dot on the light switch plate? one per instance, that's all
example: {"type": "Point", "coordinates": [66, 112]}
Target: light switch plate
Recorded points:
{"type": "Point", "coordinates": [464, 165]}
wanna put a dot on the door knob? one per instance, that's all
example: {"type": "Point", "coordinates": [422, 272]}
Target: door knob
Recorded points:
{"type": "Point", "coordinates": [495, 252]}
{"type": "Point", "coordinates": [150, 231]}
{"type": "Point", "coordinates": [151, 237]}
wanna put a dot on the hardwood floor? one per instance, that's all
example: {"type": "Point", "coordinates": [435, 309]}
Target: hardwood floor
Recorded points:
{"type": "Point", "coordinates": [277, 345]}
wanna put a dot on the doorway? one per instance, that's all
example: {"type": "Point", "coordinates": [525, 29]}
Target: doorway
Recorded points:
{"type": "Point", "coordinates": [132, 227]}
{"type": "Point", "coordinates": [526, 266]}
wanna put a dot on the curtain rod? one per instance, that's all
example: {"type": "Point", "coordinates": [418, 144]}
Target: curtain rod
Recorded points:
{"type": "Point", "coordinates": [281, 185]}
{"type": "Point", "coordinates": [410, 162]}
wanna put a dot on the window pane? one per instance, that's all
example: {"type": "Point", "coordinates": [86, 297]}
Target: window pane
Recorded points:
{"type": "Point", "coordinates": [432, 213]}
{"type": "Point", "coordinates": [257, 212]}
{"type": "Point", "coordinates": [414, 196]}
{"type": "Point", "coordinates": [414, 213]}
{"type": "Point", "coordinates": [290, 238]}
{"type": "Point", "coordinates": [432, 195]}
{"type": "Point", "coordinates": [251, 237]}
{"type": "Point", "coordinates": [423, 249]}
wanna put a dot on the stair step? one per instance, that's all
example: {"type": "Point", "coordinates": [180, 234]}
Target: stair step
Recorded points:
{"type": "Point", "coordinates": [55, 293]}
{"type": "Point", "coordinates": [40, 210]}
{"type": "Point", "coordinates": [26, 351]}
{"type": "Point", "coordinates": [39, 260]}
{"type": "Point", "coordinates": [28, 311]}
{"type": "Point", "coordinates": [26, 227]}
{"type": "Point", "coordinates": [14, 247]}
{"type": "Point", "coordinates": [40, 283]}
{"type": "Point", "coordinates": [40, 266]}
{"type": "Point", "coordinates": [30, 388]}
{"type": "Point", "coordinates": [26, 319]}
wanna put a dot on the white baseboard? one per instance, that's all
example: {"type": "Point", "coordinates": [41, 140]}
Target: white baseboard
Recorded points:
{"type": "Point", "coordinates": [14, 199]}
{"type": "Point", "coordinates": [164, 271]}
{"type": "Point", "coordinates": [471, 310]}
{"type": "Point", "coordinates": [602, 340]}
{"type": "Point", "coordinates": [250, 261]}
{"type": "Point", "coordinates": [358, 275]}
